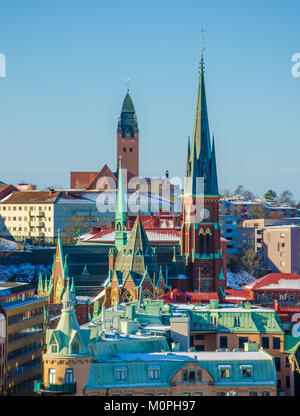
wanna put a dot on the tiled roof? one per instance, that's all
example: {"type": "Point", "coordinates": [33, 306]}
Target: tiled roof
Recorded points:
{"type": "Point", "coordinates": [237, 296]}
{"type": "Point", "coordinates": [31, 197]}
{"type": "Point", "coordinates": [280, 281]}
{"type": "Point", "coordinates": [202, 296]}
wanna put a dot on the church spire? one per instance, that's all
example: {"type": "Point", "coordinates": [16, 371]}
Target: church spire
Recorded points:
{"type": "Point", "coordinates": [121, 213]}
{"type": "Point", "coordinates": [201, 127]}
{"type": "Point", "coordinates": [201, 160]}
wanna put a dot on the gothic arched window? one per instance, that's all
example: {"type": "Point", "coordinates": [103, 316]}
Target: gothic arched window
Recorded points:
{"type": "Point", "coordinates": [201, 244]}
{"type": "Point", "coordinates": [75, 347]}
{"type": "Point", "coordinates": [207, 244]}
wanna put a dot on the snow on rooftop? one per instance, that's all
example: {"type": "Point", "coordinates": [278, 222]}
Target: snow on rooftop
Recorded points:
{"type": "Point", "coordinates": [284, 284]}
{"type": "Point", "coordinates": [222, 356]}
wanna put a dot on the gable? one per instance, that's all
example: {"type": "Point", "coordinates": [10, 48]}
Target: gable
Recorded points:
{"type": "Point", "coordinates": [104, 178]}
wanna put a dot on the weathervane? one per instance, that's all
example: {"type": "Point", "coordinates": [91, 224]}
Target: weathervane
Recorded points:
{"type": "Point", "coordinates": [127, 83]}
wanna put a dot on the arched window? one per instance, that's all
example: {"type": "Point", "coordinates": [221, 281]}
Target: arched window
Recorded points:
{"type": "Point", "coordinates": [75, 347]}
{"type": "Point", "coordinates": [69, 376]}
{"type": "Point", "coordinates": [201, 244]}
{"type": "Point", "coordinates": [52, 375]}
{"type": "Point", "coordinates": [207, 244]}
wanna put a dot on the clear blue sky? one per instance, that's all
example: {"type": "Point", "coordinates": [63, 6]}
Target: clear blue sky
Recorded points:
{"type": "Point", "coordinates": [67, 61]}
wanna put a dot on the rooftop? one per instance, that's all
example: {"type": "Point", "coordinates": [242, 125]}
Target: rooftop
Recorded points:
{"type": "Point", "coordinates": [280, 281]}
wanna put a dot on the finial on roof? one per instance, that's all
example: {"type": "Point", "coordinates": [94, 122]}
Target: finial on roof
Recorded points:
{"type": "Point", "coordinates": [202, 49]}
{"type": "Point", "coordinates": [127, 83]}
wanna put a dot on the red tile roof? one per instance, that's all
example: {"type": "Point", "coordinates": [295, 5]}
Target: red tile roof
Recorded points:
{"type": "Point", "coordinates": [237, 296]}
{"type": "Point", "coordinates": [275, 281]}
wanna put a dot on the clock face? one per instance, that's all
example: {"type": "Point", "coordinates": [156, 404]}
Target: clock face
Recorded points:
{"type": "Point", "coordinates": [205, 213]}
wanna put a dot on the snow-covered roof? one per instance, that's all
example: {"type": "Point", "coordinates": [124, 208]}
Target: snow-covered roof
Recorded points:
{"type": "Point", "coordinates": [283, 281]}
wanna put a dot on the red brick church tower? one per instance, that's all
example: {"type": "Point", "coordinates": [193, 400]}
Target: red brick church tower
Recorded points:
{"type": "Point", "coordinates": [200, 233]}
{"type": "Point", "coordinates": [128, 138]}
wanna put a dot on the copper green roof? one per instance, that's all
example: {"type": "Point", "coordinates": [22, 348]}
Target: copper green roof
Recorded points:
{"type": "Point", "coordinates": [127, 106]}
{"type": "Point", "coordinates": [136, 366]}
{"type": "Point", "coordinates": [137, 255]}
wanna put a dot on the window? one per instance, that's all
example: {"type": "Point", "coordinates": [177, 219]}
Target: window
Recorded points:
{"type": "Point", "coordinates": [200, 348]}
{"type": "Point", "coordinates": [282, 254]}
{"type": "Point", "coordinates": [223, 342]}
{"type": "Point", "coordinates": [287, 382]}
{"type": "Point", "coordinates": [287, 362]}
{"type": "Point", "coordinates": [265, 393]}
{"type": "Point", "coordinates": [154, 372]}
{"type": "Point", "coordinates": [75, 347]}
{"type": "Point", "coordinates": [185, 394]}
{"type": "Point", "coordinates": [121, 374]}
{"type": "Point", "coordinates": [51, 376]}
{"type": "Point", "coordinates": [130, 149]}
{"type": "Point", "coordinates": [277, 361]}
{"type": "Point", "coordinates": [236, 321]}
{"type": "Point", "coordinates": [191, 376]}
{"type": "Point", "coordinates": [54, 348]}
{"type": "Point", "coordinates": [199, 337]}
{"type": "Point", "coordinates": [282, 235]}
{"type": "Point", "coordinates": [246, 371]}
{"type": "Point", "coordinates": [242, 341]}
{"type": "Point", "coordinates": [253, 393]}
{"type": "Point", "coordinates": [265, 342]}
{"type": "Point", "coordinates": [225, 371]}
{"type": "Point", "coordinates": [69, 376]}
{"type": "Point", "coordinates": [276, 343]}
{"type": "Point", "coordinates": [282, 263]}
{"type": "Point", "coordinates": [191, 340]}
{"type": "Point", "coordinates": [124, 149]}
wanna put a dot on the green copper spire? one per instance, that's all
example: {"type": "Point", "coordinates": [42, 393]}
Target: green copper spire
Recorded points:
{"type": "Point", "coordinates": [128, 106]}
{"type": "Point", "coordinates": [73, 287]}
{"type": "Point", "coordinates": [201, 128]}
{"type": "Point", "coordinates": [40, 284]}
{"type": "Point", "coordinates": [127, 125]}
{"type": "Point", "coordinates": [202, 155]}
{"type": "Point", "coordinates": [121, 214]}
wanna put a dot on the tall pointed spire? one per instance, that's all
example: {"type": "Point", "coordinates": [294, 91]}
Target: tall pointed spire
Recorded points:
{"type": "Point", "coordinates": [200, 153]}
{"type": "Point", "coordinates": [120, 214]}
{"type": "Point", "coordinates": [201, 127]}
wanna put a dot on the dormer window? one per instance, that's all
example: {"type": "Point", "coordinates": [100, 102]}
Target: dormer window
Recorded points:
{"type": "Point", "coordinates": [54, 348]}
{"type": "Point", "coordinates": [246, 371]}
{"type": "Point", "coordinates": [121, 373]}
{"type": "Point", "coordinates": [225, 371]}
{"type": "Point", "coordinates": [154, 372]}
{"type": "Point", "coordinates": [237, 321]}
{"type": "Point", "coordinates": [75, 347]}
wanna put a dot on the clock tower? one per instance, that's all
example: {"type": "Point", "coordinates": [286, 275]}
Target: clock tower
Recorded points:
{"type": "Point", "coordinates": [200, 232]}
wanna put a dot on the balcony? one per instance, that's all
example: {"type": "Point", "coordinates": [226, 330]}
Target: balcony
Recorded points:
{"type": "Point", "coordinates": [68, 388]}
